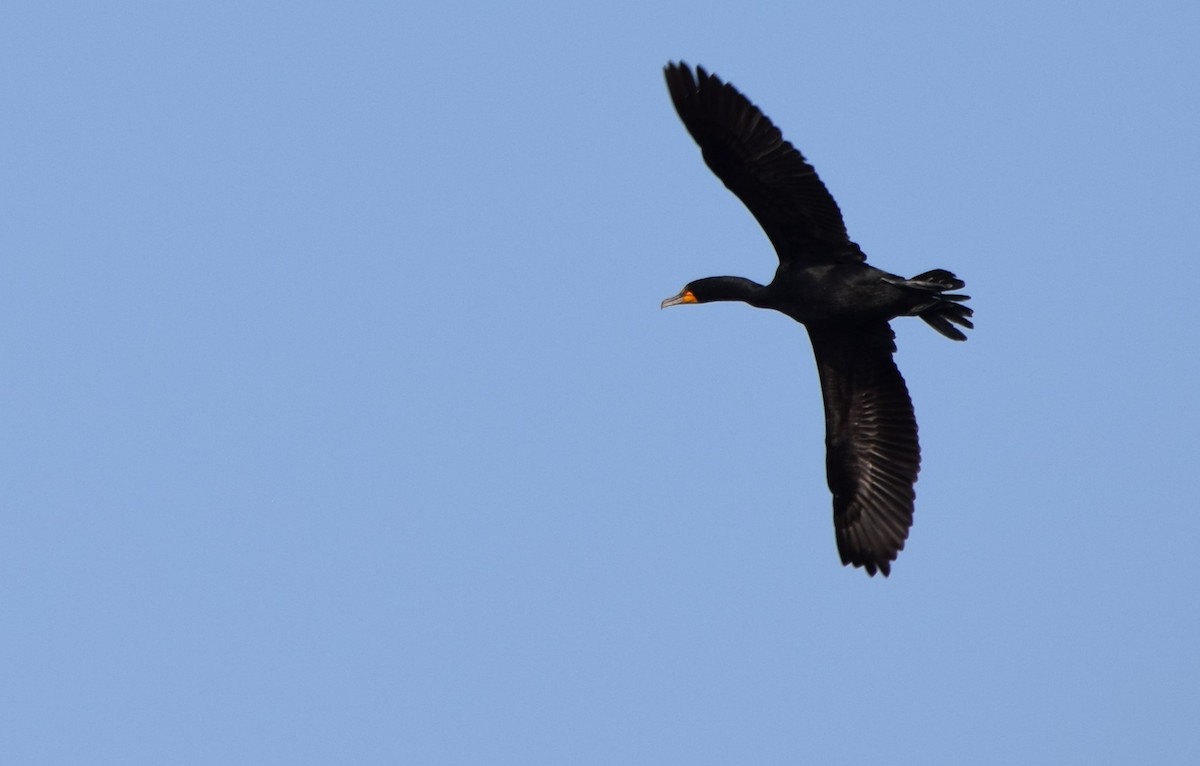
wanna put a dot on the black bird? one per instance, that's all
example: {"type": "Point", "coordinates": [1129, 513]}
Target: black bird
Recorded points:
{"type": "Point", "coordinates": [824, 282]}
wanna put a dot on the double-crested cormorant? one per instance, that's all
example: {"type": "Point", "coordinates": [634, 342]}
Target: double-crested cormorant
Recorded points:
{"type": "Point", "coordinates": [824, 282]}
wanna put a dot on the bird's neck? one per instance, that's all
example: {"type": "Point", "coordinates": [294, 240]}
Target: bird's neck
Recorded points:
{"type": "Point", "coordinates": [734, 289]}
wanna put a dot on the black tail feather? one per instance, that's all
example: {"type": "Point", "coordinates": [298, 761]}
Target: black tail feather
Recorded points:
{"type": "Point", "coordinates": [940, 315]}
{"type": "Point", "coordinates": [937, 280]}
{"type": "Point", "coordinates": [943, 310]}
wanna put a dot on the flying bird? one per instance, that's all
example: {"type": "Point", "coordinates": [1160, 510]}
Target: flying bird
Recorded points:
{"type": "Point", "coordinates": [823, 282]}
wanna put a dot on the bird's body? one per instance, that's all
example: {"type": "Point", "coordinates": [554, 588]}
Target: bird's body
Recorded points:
{"type": "Point", "coordinates": [824, 282]}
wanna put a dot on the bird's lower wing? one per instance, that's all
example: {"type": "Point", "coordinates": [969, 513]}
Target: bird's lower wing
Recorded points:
{"type": "Point", "coordinates": [872, 455]}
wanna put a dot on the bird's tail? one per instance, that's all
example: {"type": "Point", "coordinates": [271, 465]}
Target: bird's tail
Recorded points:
{"type": "Point", "coordinates": [942, 310]}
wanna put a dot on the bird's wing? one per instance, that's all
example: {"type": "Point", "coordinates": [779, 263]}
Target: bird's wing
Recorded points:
{"type": "Point", "coordinates": [748, 153]}
{"type": "Point", "coordinates": [872, 455]}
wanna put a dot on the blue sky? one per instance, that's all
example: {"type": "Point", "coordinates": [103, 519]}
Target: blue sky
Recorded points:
{"type": "Point", "coordinates": [341, 423]}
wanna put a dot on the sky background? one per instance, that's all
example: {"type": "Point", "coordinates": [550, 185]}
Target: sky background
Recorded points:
{"type": "Point", "coordinates": [341, 423]}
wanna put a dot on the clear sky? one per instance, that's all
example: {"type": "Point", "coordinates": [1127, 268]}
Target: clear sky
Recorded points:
{"type": "Point", "coordinates": [341, 423]}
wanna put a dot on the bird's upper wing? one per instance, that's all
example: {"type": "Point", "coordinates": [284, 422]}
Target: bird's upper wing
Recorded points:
{"type": "Point", "coordinates": [872, 455]}
{"type": "Point", "coordinates": [749, 154]}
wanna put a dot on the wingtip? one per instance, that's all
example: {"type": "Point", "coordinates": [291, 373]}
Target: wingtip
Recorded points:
{"type": "Point", "coordinates": [874, 540]}
{"type": "Point", "coordinates": [872, 566]}
{"type": "Point", "coordinates": [694, 76]}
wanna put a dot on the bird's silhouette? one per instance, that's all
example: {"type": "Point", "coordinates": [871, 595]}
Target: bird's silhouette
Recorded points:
{"type": "Point", "coordinates": [824, 282]}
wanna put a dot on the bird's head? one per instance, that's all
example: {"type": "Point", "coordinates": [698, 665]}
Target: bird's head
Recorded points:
{"type": "Point", "coordinates": [712, 289]}
{"type": "Point", "coordinates": [686, 295]}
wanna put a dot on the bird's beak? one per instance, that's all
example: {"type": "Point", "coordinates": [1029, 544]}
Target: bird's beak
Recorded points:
{"type": "Point", "coordinates": [684, 297]}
